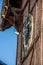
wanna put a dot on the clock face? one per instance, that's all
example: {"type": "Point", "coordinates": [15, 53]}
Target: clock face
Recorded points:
{"type": "Point", "coordinates": [27, 35]}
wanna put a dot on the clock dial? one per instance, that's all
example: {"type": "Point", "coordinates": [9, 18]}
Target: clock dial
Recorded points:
{"type": "Point", "coordinates": [27, 35]}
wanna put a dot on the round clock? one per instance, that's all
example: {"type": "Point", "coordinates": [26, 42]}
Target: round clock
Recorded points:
{"type": "Point", "coordinates": [27, 35]}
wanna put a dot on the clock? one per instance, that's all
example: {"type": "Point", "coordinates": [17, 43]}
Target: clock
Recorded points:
{"type": "Point", "coordinates": [27, 35]}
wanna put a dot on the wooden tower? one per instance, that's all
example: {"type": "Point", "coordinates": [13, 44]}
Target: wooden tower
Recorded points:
{"type": "Point", "coordinates": [27, 17]}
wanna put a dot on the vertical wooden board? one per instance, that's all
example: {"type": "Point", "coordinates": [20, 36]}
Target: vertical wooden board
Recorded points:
{"type": "Point", "coordinates": [34, 17]}
{"type": "Point", "coordinates": [42, 36]}
{"type": "Point", "coordinates": [19, 50]}
{"type": "Point", "coordinates": [38, 52]}
{"type": "Point", "coordinates": [38, 27]}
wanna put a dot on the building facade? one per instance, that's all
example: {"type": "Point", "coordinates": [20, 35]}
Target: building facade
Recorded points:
{"type": "Point", "coordinates": [27, 17]}
{"type": "Point", "coordinates": [35, 55]}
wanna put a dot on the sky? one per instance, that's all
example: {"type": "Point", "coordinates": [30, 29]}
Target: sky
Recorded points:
{"type": "Point", "coordinates": [8, 44]}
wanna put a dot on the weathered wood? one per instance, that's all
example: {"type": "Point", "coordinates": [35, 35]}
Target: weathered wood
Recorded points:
{"type": "Point", "coordinates": [36, 55]}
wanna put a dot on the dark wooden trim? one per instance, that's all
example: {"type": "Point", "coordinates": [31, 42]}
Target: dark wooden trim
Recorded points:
{"type": "Point", "coordinates": [29, 6]}
{"type": "Point", "coordinates": [25, 5]}
{"type": "Point", "coordinates": [28, 1]}
{"type": "Point", "coordinates": [33, 6]}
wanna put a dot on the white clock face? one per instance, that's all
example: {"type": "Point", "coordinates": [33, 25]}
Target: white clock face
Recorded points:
{"type": "Point", "coordinates": [27, 34]}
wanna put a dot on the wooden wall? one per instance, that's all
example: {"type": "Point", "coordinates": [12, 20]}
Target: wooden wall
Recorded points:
{"type": "Point", "coordinates": [36, 55]}
{"type": "Point", "coordinates": [42, 36]}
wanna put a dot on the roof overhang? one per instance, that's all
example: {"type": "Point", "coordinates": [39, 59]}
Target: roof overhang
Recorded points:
{"type": "Point", "coordinates": [9, 15]}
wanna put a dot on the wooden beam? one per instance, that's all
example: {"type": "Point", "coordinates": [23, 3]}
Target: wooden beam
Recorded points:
{"type": "Point", "coordinates": [6, 7]}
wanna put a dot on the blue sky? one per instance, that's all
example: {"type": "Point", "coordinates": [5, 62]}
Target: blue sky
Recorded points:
{"type": "Point", "coordinates": [8, 44]}
{"type": "Point", "coordinates": [0, 5]}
